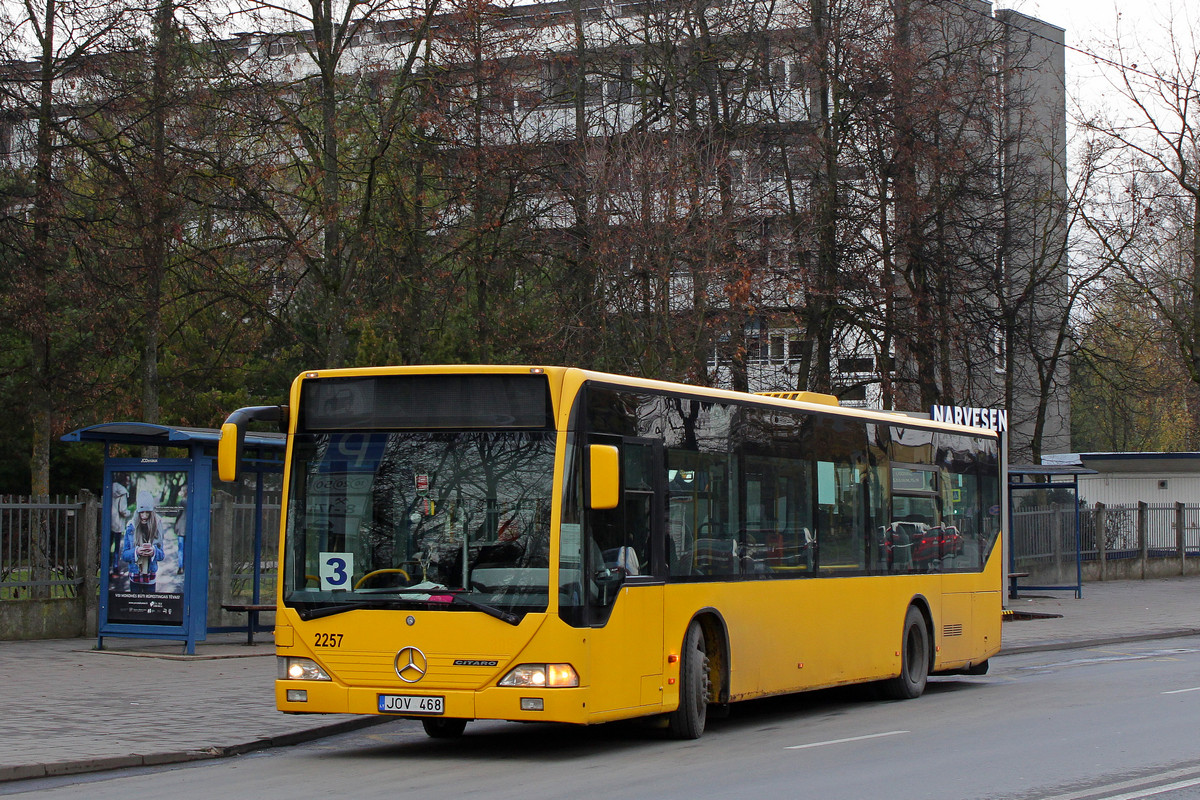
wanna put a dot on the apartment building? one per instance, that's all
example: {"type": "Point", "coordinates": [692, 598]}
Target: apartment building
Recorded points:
{"type": "Point", "coordinates": [867, 199]}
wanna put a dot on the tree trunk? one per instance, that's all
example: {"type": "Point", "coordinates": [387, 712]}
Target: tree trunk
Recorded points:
{"type": "Point", "coordinates": [42, 264]}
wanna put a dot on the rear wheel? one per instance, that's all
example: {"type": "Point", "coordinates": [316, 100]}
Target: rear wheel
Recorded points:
{"type": "Point", "coordinates": [914, 659]}
{"type": "Point", "coordinates": [442, 728]}
{"type": "Point", "coordinates": [687, 721]}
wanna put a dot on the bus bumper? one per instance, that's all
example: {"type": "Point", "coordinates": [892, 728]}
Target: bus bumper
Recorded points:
{"type": "Point", "coordinates": [500, 703]}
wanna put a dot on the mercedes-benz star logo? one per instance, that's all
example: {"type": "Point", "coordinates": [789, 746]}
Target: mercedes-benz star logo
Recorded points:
{"type": "Point", "coordinates": [411, 664]}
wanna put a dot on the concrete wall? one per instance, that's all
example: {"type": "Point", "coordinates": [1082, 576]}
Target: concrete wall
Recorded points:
{"type": "Point", "coordinates": [63, 618]}
{"type": "Point", "coordinates": [1124, 569]}
{"type": "Point", "coordinates": [1120, 569]}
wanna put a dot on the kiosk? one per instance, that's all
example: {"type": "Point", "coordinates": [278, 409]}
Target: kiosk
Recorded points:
{"type": "Point", "coordinates": [160, 515]}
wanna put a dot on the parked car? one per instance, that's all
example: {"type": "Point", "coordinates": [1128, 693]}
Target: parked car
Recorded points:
{"type": "Point", "coordinates": [918, 546]}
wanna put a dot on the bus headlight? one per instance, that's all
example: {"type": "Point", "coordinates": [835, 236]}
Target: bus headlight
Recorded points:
{"type": "Point", "coordinates": [300, 669]}
{"type": "Point", "coordinates": [541, 676]}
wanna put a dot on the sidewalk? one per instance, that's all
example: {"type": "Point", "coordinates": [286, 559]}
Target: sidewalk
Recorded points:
{"type": "Point", "coordinates": [1118, 611]}
{"type": "Point", "coordinates": [68, 708]}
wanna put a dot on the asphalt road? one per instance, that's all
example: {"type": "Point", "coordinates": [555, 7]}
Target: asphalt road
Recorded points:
{"type": "Point", "coordinates": [1117, 723]}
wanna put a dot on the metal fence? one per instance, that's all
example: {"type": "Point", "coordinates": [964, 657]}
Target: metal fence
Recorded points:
{"type": "Point", "coordinates": [255, 543]}
{"type": "Point", "coordinates": [1045, 539]}
{"type": "Point", "coordinates": [40, 541]}
{"type": "Point", "coordinates": [40, 547]}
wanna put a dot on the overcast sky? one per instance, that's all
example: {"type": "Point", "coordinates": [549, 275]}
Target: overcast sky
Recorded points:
{"type": "Point", "coordinates": [1090, 26]}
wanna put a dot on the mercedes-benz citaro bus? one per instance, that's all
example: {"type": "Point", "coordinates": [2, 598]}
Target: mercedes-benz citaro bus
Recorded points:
{"type": "Point", "coordinates": [551, 544]}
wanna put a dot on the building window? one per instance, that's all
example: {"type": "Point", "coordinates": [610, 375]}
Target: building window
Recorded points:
{"type": "Point", "coordinates": [999, 352]}
{"type": "Point", "coordinates": [856, 364]}
{"type": "Point", "coordinates": [796, 348]}
{"type": "Point", "coordinates": [853, 394]}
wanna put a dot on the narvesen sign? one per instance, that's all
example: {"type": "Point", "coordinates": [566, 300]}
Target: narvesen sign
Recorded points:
{"type": "Point", "coordinates": [992, 418]}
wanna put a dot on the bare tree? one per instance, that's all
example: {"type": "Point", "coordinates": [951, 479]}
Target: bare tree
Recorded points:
{"type": "Point", "coordinates": [1147, 217]}
{"type": "Point", "coordinates": [46, 44]}
{"type": "Point", "coordinates": [332, 96]}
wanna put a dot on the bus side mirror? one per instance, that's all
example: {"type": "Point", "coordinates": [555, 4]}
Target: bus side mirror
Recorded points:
{"type": "Point", "coordinates": [604, 476]}
{"type": "Point", "coordinates": [233, 436]}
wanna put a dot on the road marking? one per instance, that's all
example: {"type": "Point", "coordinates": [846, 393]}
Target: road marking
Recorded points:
{"type": "Point", "coordinates": [1114, 656]}
{"type": "Point", "coordinates": [1150, 792]}
{"type": "Point", "coordinates": [844, 741]}
{"type": "Point", "coordinates": [1098, 792]}
{"type": "Point", "coordinates": [1184, 691]}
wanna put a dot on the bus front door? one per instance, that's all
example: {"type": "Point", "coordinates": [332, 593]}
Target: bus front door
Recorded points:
{"type": "Point", "coordinates": [626, 638]}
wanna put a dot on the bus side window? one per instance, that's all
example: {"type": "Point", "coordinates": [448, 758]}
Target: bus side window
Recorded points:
{"type": "Point", "coordinates": [681, 512]}
{"type": "Point", "coordinates": [638, 500]}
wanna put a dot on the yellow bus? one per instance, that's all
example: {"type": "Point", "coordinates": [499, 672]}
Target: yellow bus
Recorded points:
{"type": "Point", "coordinates": [547, 543]}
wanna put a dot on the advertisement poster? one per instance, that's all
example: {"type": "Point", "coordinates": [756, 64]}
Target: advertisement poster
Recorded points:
{"type": "Point", "coordinates": [146, 535]}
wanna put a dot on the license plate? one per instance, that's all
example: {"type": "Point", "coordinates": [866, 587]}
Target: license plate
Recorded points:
{"type": "Point", "coordinates": [411, 704]}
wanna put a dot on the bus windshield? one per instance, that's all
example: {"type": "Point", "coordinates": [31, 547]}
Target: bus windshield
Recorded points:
{"type": "Point", "coordinates": [456, 520]}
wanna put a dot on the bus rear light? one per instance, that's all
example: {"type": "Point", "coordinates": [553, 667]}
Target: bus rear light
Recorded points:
{"type": "Point", "coordinates": [301, 669]}
{"type": "Point", "coordinates": [541, 676]}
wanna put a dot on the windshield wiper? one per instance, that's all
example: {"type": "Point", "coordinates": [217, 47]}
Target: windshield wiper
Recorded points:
{"type": "Point", "coordinates": [498, 613]}
{"type": "Point", "coordinates": [432, 590]}
{"type": "Point", "coordinates": [329, 611]}
{"type": "Point", "coordinates": [456, 596]}
{"type": "Point", "coordinates": [326, 611]}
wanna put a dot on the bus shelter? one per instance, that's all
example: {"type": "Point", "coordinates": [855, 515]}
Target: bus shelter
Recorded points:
{"type": "Point", "coordinates": [179, 547]}
{"type": "Point", "coordinates": [1046, 552]}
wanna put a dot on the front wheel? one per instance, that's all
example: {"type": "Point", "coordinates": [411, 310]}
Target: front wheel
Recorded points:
{"type": "Point", "coordinates": [914, 659]}
{"type": "Point", "coordinates": [687, 721]}
{"type": "Point", "coordinates": [442, 728]}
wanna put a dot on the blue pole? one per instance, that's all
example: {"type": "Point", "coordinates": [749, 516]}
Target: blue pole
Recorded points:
{"type": "Point", "coordinates": [258, 512]}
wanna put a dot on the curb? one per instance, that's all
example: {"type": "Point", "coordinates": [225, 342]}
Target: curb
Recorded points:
{"type": "Point", "coordinates": [59, 768]}
{"type": "Point", "coordinates": [1099, 641]}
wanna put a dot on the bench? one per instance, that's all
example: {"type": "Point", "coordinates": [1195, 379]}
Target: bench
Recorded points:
{"type": "Point", "coordinates": [252, 610]}
{"type": "Point", "coordinates": [1013, 577]}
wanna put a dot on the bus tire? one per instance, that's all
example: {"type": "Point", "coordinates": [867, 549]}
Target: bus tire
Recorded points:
{"type": "Point", "coordinates": [442, 728]}
{"type": "Point", "coordinates": [914, 659]}
{"type": "Point", "coordinates": [687, 721]}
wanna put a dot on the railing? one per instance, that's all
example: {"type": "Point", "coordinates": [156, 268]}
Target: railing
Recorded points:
{"type": "Point", "coordinates": [39, 547]}
{"type": "Point", "coordinates": [49, 559]}
{"type": "Point", "coordinates": [244, 548]}
{"type": "Point", "coordinates": [1044, 540]}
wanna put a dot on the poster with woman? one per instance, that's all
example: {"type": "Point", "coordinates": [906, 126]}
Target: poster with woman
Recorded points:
{"type": "Point", "coordinates": [147, 535]}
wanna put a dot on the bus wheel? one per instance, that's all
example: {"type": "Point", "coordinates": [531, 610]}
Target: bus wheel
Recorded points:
{"type": "Point", "coordinates": [687, 721]}
{"type": "Point", "coordinates": [914, 660]}
{"type": "Point", "coordinates": [442, 728]}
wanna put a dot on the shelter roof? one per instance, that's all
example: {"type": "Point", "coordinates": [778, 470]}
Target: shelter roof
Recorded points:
{"type": "Point", "coordinates": [1129, 461]}
{"type": "Point", "coordinates": [146, 433]}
